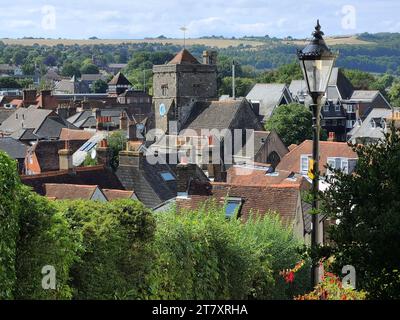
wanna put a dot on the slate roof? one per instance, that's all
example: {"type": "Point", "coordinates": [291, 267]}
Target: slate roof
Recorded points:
{"type": "Point", "coordinates": [86, 119]}
{"type": "Point", "coordinates": [364, 95]}
{"type": "Point", "coordinates": [62, 191]}
{"type": "Point", "coordinates": [146, 180]}
{"type": "Point", "coordinates": [259, 136]}
{"type": "Point", "coordinates": [4, 114]}
{"type": "Point", "coordinates": [269, 96]}
{"type": "Point", "coordinates": [184, 57]}
{"type": "Point", "coordinates": [298, 87]}
{"type": "Point", "coordinates": [96, 175]}
{"type": "Point", "coordinates": [14, 148]}
{"type": "Point", "coordinates": [291, 161]}
{"type": "Point", "coordinates": [366, 130]}
{"type": "Point", "coordinates": [221, 115]}
{"type": "Point", "coordinates": [339, 87]}
{"type": "Point", "coordinates": [120, 79]}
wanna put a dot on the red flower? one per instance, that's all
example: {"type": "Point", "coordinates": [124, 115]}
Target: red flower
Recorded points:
{"type": "Point", "coordinates": [289, 277]}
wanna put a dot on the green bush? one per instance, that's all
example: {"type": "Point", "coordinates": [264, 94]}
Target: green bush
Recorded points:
{"type": "Point", "coordinates": [202, 255]}
{"type": "Point", "coordinates": [44, 239]}
{"type": "Point", "coordinates": [115, 256]}
{"type": "Point", "coordinates": [9, 188]}
{"type": "Point", "coordinates": [280, 246]}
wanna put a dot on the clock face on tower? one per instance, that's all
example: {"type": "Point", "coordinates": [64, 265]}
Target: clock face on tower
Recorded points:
{"type": "Point", "coordinates": [162, 110]}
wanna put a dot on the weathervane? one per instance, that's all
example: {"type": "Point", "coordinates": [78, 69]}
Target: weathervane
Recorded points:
{"type": "Point", "coordinates": [184, 29]}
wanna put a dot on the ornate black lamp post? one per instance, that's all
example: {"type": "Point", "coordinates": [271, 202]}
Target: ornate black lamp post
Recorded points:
{"type": "Point", "coordinates": [316, 62]}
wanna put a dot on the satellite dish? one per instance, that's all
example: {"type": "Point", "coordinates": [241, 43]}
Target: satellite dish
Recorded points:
{"type": "Point", "coordinates": [162, 110]}
{"type": "Point", "coordinates": [93, 154]}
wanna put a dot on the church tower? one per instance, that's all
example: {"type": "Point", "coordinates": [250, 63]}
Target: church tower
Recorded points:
{"type": "Point", "coordinates": [179, 84]}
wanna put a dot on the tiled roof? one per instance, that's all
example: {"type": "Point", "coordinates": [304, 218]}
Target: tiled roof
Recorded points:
{"type": "Point", "coordinates": [258, 176]}
{"type": "Point", "coordinates": [96, 175]}
{"type": "Point", "coordinates": [221, 115]}
{"type": "Point", "coordinates": [72, 134]}
{"type": "Point", "coordinates": [339, 87]}
{"type": "Point", "coordinates": [61, 191]}
{"type": "Point", "coordinates": [120, 79]}
{"type": "Point", "coordinates": [291, 161]}
{"type": "Point", "coordinates": [368, 95]}
{"type": "Point", "coordinates": [283, 199]}
{"type": "Point", "coordinates": [112, 194]}
{"type": "Point", "coordinates": [184, 57]}
{"type": "Point", "coordinates": [13, 147]}
{"type": "Point", "coordinates": [146, 180]}
{"type": "Point", "coordinates": [269, 96]}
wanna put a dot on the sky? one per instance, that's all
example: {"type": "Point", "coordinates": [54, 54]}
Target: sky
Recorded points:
{"type": "Point", "coordinates": [133, 19]}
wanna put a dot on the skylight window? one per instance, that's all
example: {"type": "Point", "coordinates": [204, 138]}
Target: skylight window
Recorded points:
{"type": "Point", "coordinates": [167, 176]}
{"type": "Point", "coordinates": [232, 207]}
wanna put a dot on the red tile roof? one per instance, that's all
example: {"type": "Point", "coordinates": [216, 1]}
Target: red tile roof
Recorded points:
{"type": "Point", "coordinates": [291, 161]}
{"type": "Point", "coordinates": [72, 134]}
{"type": "Point", "coordinates": [62, 191]}
{"type": "Point", "coordinates": [184, 57]}
{"type": "Point", "coordinates": [283, 199]}
{"type": "Point", "coordinates": [112, 194]}
{"type": "Point", "coordinates": [247, 176]}
{"type": "Point", "coordinates": [95, 175]}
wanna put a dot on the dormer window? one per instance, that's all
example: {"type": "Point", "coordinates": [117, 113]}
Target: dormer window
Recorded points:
{"type": "Point", "coordinates": [304, 161]}
{"type": "Point", "coordinates": [326, 108]}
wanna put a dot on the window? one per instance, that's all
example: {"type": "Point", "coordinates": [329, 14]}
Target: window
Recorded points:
{"type": "Point", "coordinates": [326, 108]}
{"type": "Point", "coordinates": [337, 108]}
{"type": "Point", "coordinates": [167, 176]}
{"type": "Point", "coordinates": [350, 108]}
{"type": "Point", "coordinates": [233, 206]}
{"type": "Point", "coordinates": [304, 163]}
{"type": "Point", "coordinates": [350, 124]}
{"type": "Point", "coordinates": [338, 164]}
{"type": "Point", "coordinates": [164, 89]}
{"type": "Point", "coordinates": [334, 123]}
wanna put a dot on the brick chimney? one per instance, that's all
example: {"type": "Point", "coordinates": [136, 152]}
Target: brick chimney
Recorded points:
{"type": "Point", "coordinates": [331, 137]}
{"type": "Point", "coordinates": [46, 94]}
{"type": "Point", "coordinates": [185, 172]}
{"type": "Point", "coordinates": [65, 159]}
{"type": "Point", "coordinates": [29, 95]}
{"type": "Point", "coordinates": [130, 158]}
{"type": "Point", "coordinates": [104, 154]}
{"type": "Point", "coordinates": [123, 121]}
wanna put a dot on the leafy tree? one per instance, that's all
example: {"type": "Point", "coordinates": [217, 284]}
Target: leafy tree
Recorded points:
{"type": "Point", "coordinates": [99, 86]}
{"type": "Point", "coordinates": [89, 68]}
{"type": "Point", "coordinates": [366, 207]}
{"type": "Point", "coordinates": [359, 79]}
{"type": "Point", "coordinates": [115, 258]}
{"type": "Point", "coordinates": [292, 122]}
{"type": "Point", "coordinates": [242, 86]}
{"type": "Point", "coordinates": [394, 94]}
{"type": "Point", "coordinates": [70, 69]}
{"type": "Point", "coordinates": [116, 142]}
{"type": "Point", "coordinates": [45, 239]}
{"type": "Point", "coordinates": [9, 83]}
{"type": "Point", "coordinates": [9, 227]}
{"type": "Point", "coordinates": [284, 74]}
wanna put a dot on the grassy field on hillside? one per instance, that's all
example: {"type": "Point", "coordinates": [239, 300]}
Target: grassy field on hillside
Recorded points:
{"type": "Point", "coordinates": [217, 43]}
